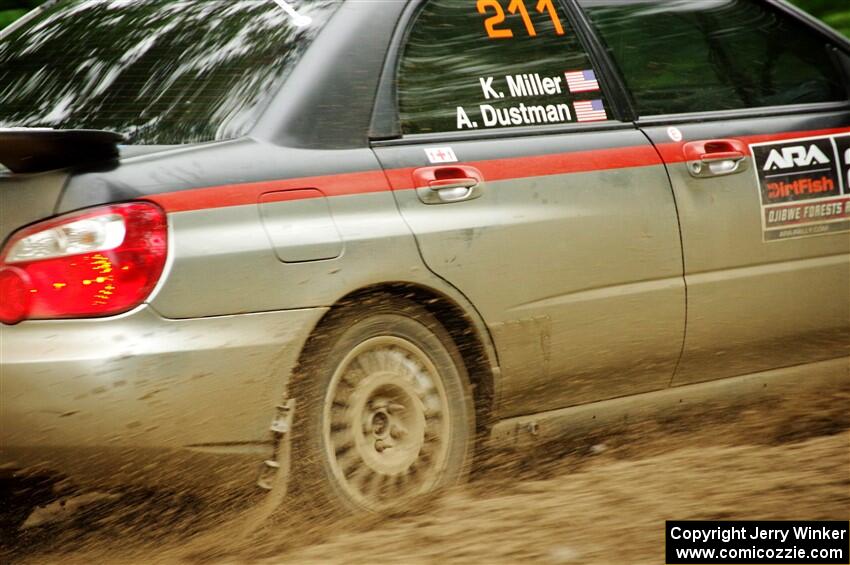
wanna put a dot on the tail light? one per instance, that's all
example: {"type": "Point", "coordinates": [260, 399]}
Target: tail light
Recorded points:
{"type": "Point", "coordinates": [96, 262]}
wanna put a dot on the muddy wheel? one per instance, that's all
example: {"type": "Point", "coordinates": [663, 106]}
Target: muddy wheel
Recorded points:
{"type": "Point", "coordinates": [386, 414]}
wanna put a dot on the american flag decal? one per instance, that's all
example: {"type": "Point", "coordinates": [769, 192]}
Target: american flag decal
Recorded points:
{"type": "Point", "coordinates": [582, 81]}
{"type": "Point", "coordinates": [590, 111]}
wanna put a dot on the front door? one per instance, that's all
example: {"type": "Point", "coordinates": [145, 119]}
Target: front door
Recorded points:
{"type": "Point", "coordinates": [526, 193]}
{"type": "Point", "coordinates": [750, 114]}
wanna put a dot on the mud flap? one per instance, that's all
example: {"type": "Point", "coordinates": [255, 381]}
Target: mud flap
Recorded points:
{"type": "Point", "coordinates": [274, 476]}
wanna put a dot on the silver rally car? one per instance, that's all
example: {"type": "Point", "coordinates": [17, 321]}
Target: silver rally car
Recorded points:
{"type": "Point", "coordinates": [360, 238]}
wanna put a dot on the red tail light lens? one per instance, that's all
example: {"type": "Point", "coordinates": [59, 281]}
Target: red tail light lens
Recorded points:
{"type": "Point", "coordinates": [97, 262]}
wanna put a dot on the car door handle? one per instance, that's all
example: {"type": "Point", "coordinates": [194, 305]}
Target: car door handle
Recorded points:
{"type": "Point", "coordinates": [445, 185]}
{"type": "Point", "coordinates": [715, 157]}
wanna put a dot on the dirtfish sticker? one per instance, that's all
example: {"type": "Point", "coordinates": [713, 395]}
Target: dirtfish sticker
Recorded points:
{"type": "Point", "coordinates": [804, 186]}
{"type": "Point", "coordinates": [493, 112]}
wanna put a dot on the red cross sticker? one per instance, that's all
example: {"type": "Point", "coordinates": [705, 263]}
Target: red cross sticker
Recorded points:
{"type": "Point", "coordinates": [441, 155]}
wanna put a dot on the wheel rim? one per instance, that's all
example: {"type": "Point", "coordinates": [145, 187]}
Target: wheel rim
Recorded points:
{"type": "Point", "coordinates": [386, 422]}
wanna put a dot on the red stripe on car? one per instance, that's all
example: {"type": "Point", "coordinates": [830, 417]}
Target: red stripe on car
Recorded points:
{"type": "Point", "coordinates": [493, 170]}
{"type": "Point", "coordinates": [227, 195]}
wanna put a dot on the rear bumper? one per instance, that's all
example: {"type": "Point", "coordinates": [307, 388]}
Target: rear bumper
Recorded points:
{"type": "Point", "coordinates": [142, 384]}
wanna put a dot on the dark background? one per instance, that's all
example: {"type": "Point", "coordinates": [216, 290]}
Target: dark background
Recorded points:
{"type": "Point", "coordinates": [834, 12]}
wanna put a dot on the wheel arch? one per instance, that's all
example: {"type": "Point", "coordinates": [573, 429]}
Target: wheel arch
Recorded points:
{"type": "Point", "coordinates": [459, 318]}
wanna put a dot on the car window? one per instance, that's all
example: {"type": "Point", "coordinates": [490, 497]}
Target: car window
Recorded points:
{"type": "Point", "coordinates": [680, 56]}
{"type": "Point", "coordinates": [158, 71]}
{"type": "Point", "coordinates": [495, 64]}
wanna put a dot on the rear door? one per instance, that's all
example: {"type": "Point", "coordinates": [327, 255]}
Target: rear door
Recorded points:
{"type": "Point", "coordinates": [527, 193]}
{"type": "Point", "coordinates": [748, 107]}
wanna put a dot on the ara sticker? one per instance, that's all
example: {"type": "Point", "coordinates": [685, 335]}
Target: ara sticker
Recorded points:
{"type": "Point", "coordinates": [804, 186]}
{"type": "Point", "coordinates": [441, 155]}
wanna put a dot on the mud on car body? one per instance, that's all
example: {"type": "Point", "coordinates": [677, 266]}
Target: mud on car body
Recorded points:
{"type": "Point", "coordinates": [363, 235]}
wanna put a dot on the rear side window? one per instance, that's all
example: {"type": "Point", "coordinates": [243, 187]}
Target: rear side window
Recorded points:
{"type": "Point", "coordinates": [158, 71]}
{"type": "Point", "coordinates": [680, 56]}
{"type": "Point", "coordinates": [495, 64]}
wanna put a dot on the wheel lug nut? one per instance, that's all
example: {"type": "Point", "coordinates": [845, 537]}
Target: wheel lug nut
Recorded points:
{"type": "Point", "coordinates": [395, 408]}
{"type": "Point", "coordinates": [397, 432]}
{"type": "Point", "coordinates": [380, 446]}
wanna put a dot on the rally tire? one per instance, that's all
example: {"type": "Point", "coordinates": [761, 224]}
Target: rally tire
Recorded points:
{"type": "Point", "coordinates": [385, 412]}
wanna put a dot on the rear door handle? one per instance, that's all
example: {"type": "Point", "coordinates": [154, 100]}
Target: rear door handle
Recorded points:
{"type": "Point", "coordinates": [715, 157]}
{"type": "Point", "coordinates": [448, 184]}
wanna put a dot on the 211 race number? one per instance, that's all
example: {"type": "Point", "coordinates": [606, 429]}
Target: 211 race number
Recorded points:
{"type": "Point", "coordinates": [516, 6]}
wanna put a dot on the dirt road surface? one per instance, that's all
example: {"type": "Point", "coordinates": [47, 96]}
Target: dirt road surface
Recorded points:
{"type": "Point", "coordinates": [597, 500]}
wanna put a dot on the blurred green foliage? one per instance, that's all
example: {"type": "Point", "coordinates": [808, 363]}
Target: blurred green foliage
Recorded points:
{"type": "Point", "coordinates": [834, 12]}
{"type": "Point", "coordinates": [11, 10]}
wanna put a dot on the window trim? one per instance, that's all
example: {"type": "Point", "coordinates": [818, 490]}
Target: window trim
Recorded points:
{"type": "Point", "coordinates": [745, 113]}
{"type": "Point", "coordinates": [502, 133]}
{"type": "Point", "coordinates": [386, 122]}
{"type": "Point", "coordinates": [834, 40]}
